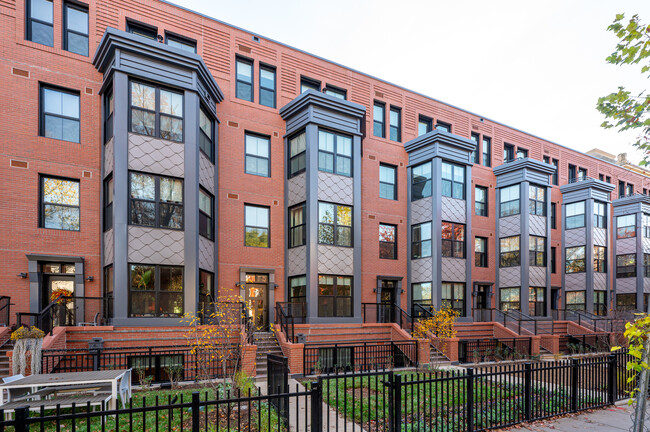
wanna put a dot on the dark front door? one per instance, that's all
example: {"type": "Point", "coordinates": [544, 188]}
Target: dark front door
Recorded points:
{"type": "Point", "coordinates": [387, 301]}
{"type": "Point", "coordinates": [482, 297]}
{"type": "Point", "coordinates": [555, 297]}
{"type": "Point", "coordinates": [257, 299]}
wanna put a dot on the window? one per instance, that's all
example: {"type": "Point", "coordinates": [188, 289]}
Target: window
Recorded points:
{"type": "Point", "coordinates": [206, 141]}
{"type": "Point", "coordinates": [156, 201]}
{"type": "Point", "coordinates": [109, 106]}
{"type": "Point", "coordinates": [108, 291]}
{"type": "Point", "coordinates": [421, 293]}
{"type": "Point", "coordinates": [297, 154]}
{"type": "Point", "coordinates": [379, 118]}
{"type": "Point", "coordinates": [522, 153]}
{"type": "Point", "coordinates": [626, 226]}
{"type": "Point", "coordinates": [554, 176]}
{"type": "Point", "coordinates": [335, 92]}
{"type": "Point", "coordinates": [156, 291]}
{"type": "Point", "coordinates": [334, 153]}
{"type": "Point", "coordinates": [256, 226]}
{"type": "Point", "coordinates": [334, 224]}
{"type": "Point", "coordinates": [625, 301]}
{"type": "Point", "coordinates": [421, 181]}
{"type": "Point", "coordinates": [572, 173]}
{"type": "Point", "coordinates": [298, 295]}
{"type": "Point", "coordinates": [75, 36]}
{"type": "Point", "coordinates": [441, 126]}
{"type": "Point", "coordinates": [582, 174]}
{"type": "Point", "coordinates": [575, 260]}
{"type": "Point", "coordinates": [244, 89]}
{"type": "Point", "coordinates": [395, 124]}
{"type": "Point", "coordinates": [258, 149]}
{"type": "Point", "coordinates": [553, 260]}
{"type": "Point", "coordinates": [425, 125]}
{"type": "Point", "coordinates": [487, 152]}
{"type": "Point", "coordinates": [626, 266]}
{"type": "Point", "coordinates": [509, 205]}
{"type": "Point", "coordinates": [547, 159]}
{"type": "Point", "coordinates": [421, 240]}
{"type": "Point", "coordinates": [334, 296]}
{"type": "Point", "coordinates": [645, 223]}
{"type": "Point", "coordinates": [453, 180]}
{"type": "Point", "coordinates": [267, 86]}
{"type": "Point", "coordinates": [59, 117]}
{"type": "Point", "coordinates": [621, 189]}
{"type": "Point", "coordinates": [142, 30]}
{"type": "Point", "coordinates": [537, 200]}
{"type": "Point", "coordinates": [206, 220]}
{"type": "Point", "coordinates": [181, 43]}
{"type": "Point", "coordinates": [453, 240]}
{"type": "Point", "coordinates": [510, 299]}
{"type": "Point", "coordinates": [297, 226]}
{"type": "Point", "coordinates": [509, 252]}
{"type": "Point", "coordinates": [537, 301]}
{"type": "Point", "coordinates": [608, 179]}
{"type": "Point", "coordinates": [156, 112]}
{"type": "Point", "coordinates": [629, 189]}
{"type": "Point", "coordinates": [537, 247]}
{"type": "Point", "coordinates": [108, 203]}
{"type": "Point", "coordinates": [553, 216]}
{"type": "Point", "coordinates": [575, 300]}
{"type": "Point", "coordinates": [480, 201]}
{"type": "Point", "coordinates": [309, 84]}
{"type": "Point", "coordinates": [387, 181]}
{"type": "Point", "coordinates": [480, 252]}
{"type": "Point", "coordinates": [646, 265]}
{"type": "Point", "coordinates": [59, 203]}
{"type": "Point", "coordinates": [508, 153]}
{"type": "Point", "coordinates": [475, 153]}
{"type": "Point", "coordinates": [600, 303]}
{"type": "Point", "coordinates": [206, 290]}
{"type": "Point", "coordinates": [453, 297]}
{"type": "Point", "coordinates": [575, 215]}
{"type": "Point", "coordinates": [600, 259]}
{"type": "Point", "coordinates": [387, 241]}
{"type": "Point", "coordinates": [40, 21]}
{"type": "Point", "coordinates": [600, 215]}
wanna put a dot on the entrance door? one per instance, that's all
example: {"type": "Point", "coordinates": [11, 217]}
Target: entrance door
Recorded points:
{"type": "Point", "coordinates": [54, 286]}
{"type": "Point", "coordinates": [387, 300]}
{"type": "Point", "coordinates": [482, 296]}
{"type": "Point", "coordinates": [257, 299]}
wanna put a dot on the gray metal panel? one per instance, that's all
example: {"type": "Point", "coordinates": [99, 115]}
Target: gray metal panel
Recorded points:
{"type": "Point", "coordinates": [421, 211]}
{"type": "Point", "coordinates": [626, 246]}
{"type": "Point", "coordinates": [646, 244]}
{"type": "Point", "coordinates": [453, 270]}
{"type": "Point", "coordinates": [206, 254]}
{"type": "Point", "coordinates": [509, 226]}
{"type": "Point", "coordinates": [537, 178]}
{"type": "Point", "coordinates": [298, 121]}
{"type": "Point", "coordinates": [600, 281]}
{"type": "Point", "coordinates": [537, 276]}
{"type": "Point", "coordinates": [156, 246]}
{"type": "Point", "coordinates": [625, 285]}
{"type": "Point", "coordinates": [537, 225]}
{"type": "Point", "coordinates": [157, 156]}
{"type": "Point", "coordinates": [600, 195]}
{"type": "Point", "coordinates": [109, 247]}
{"type": "Point", "coordinates": [332, 119]}
{"type": "Point", "coordinates": [296, 190]}
{"type": "Point", "coordinates": [600, 236]}
{"type": "Point", "coordinates": [510, 178]}
{"type": "Point", "coordinates": [206, 173]}
{"type": "Point", "coordinates": [509, 277]}
{"type": "Point", "coordinates": [297, 261]}
{"type": "Point", "coordinates": [335, 260]}
{"type": "Point", "coordinates": [575, 237]}
{"type": "Point", "coordinates": [646, 285]}
{"type": "Point", "coordinates": [453, 210]}
{"type": "Point", "coordinates": [335, 188]}
{"type": "Point", "coordinates": [575, 282]}
{"type": "Point", "coordinates": [421, 270]}
{"type": "Point", "coordinates": [155, 70]}
{"type": "Point", "coordinates": [109, 158]}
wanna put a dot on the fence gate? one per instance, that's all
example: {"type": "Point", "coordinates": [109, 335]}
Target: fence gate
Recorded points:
{"type": "Point", "coordinates": [277, 382]}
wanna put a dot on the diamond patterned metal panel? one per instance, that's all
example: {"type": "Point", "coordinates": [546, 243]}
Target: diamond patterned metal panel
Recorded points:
{"type": "Point", "coordinates": [454, 210]}
{"type": "Point", "coordinates": [335, 188]}
{"type": "Point", "coordinates": [155, 155]}
{"type": "Point", "coordinates": [537, 225]}
{"type": "Point", "coordinates": [600, 237]}
{"type": "Point", "coordinates": [109, 157]}
{"type": "Point", "coordinates": [156, 246]}
{"type": "Point", "coordinates": [575, 237]}
{"type": "Point", "coordinates": [335, 260]}
{"type": "Point", "coordinates": [509, 277]}
{"type": "Point", "coordinates": [421, 211]}
{"type": "Point", "coordinates": [626, 246]}
{"type": "Point", "coordinates": [297, 189]}
{"type": "Point", "coordinates": [509, 226]}
{"type": "Point", "coordinates": [646, 285]}
{"type": "Point", "coordinates": [422, 270]}
{"type": "Point", "coordinates": [600, 281]}
{"type": "Point", "coordinates": [537, 276]}
{"type": "Point", "coordinates": [206, 254]}
{"type": "Point", "coordinates": [109, 247]}
{"type": "Point", "coordinates": [206, 173]}
{"type": "Point", "coordinates": [575, 282]}
{"type": "Point", "coordinates": [454, 270]}
{"type": "Point", "coordinates": [626, 285]}
{"type": "Point", "coordinates": [297, 261]}
{"type": "Point", "coordinates": [646, 245]}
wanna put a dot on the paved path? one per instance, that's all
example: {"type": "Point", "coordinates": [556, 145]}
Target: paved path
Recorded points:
{"type": "Point", "coordinates": [612, 419]}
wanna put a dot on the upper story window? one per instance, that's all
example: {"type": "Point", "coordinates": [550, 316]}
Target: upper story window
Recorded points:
{"type": "Point", "coordinates": [387, 241]}
{"type": "Point", "coordinates": [258, 150]}
{"type": "Point", "coordinates": [155, 201]}
{"type": "Point", "coordinates": [109, 107]}
{"type": "Point", "coordinates": [600, 259]}
{"type": "Point", "coordinates": [600, 215]}
{"type": "Point", "coordinates": [521, 153]}
{"type": "Point", "coordinates": [181, 43]}
{"type": "Point", "coordinates": [646, 225]}
{"type": "Point", "coordinates": [421, 240]}
{"type": "Point", "coordinates": [572, 173]}
{"type": "Point", "coordinates": [554, 177]}
{"type": "Point", "coordinates": [379, 119]}
{"type": "Point", "coordinates": [334, 153]}
{"type": "Point", "coordinates": [509, 252]}
{"type": "Point", "coordinates": [621, 189]}
{"type": "Point", "coordinates": [575, 261]}
{"type": "Point", "coordinates": [156, 112]}
{"type": "Point", "coordinates": [481, 201]}
{"type": "Point", "coordinates": [442, 126]}
{"type": "Point", "coordinates": [334, 224]}
{"type": "Point", "coordinates": [453, 240]}
{"type": "Point", "coordinates": [336, 92]}
{"type": "Point", "coordinates": [75, 36]}
{"type": "Point", "coordinates": [206, 219]}
{"type": "Point", "coordinates": [553, 260]}
{"type": "Point", "coordinates": [297, 225]}
{"type": "Point", "coordinates": [480, 251]}
{"type": "Point", "coordinates": [537, 200]}
{"type": "Point", "coordinates": [143, 30]}
{"type": "Point", "coordinates": [487, 152]}
{"type": "Point", "coordinates": [309, 84]}
{"type": "Point", "coordinates": [626, 265]}
{"type": "Point", "coordinates": [508, 153]}
{"type": "Point", "coordinates": [509, 201]}
{"type": "Point", "coordinates": [59, 116]}
{"type": "Point", "coordinates": [626, 226]}
{"type": "Point", "coordinates": [425, 125]}
{"type": "Point", "coordinates": [108, 203]}
{"type": "Point", "coordinates": [629, 189]}
{"type": "Point", "coordinates": [553, 215]}
{"type": "Point", "coordinates": [267, 86]}
{"type": "Point", "coordinates": [297, 154]}
{"type": "Point", "coordinates": [537, 249]}
{"type": "Point", "coordinates": [59, 203]}
{"type": "Point", "coordinates": [453, 180]}
{"type": "Point", "coordinates": [582, 173]}
{"type": "Point", "coordinates": [475, 153]}
{"type": "Point", "coordinates": [206, 138]}
{"type": "Point", "coordinates": [575, 215]}
{"type": "Point", "coordinates": [40, 21]}
{"type": "Point", "coordinates": [395, 124]}
{"type": "Point", "coordinates": [244, 73]}
{"type": "Point", "coordinates": [387, 181]}
{"type": "Point", "coordinates": [421, 181]}
{"type": "Point", "coordinates": [256, 226]}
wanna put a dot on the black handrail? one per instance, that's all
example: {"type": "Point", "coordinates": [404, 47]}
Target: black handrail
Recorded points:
{"type": "Point", "coordinates": [5, 310]}
{"type": "Point", "coordinates": [286, 322]}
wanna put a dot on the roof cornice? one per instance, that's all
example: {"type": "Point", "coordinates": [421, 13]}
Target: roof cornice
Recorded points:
{"type": "Point", "coordinates": [312, 97]}
{"type": "Point", "coordinates": [524, 163]}
{"type": "Point", "coordinates": [587, 184]}
{"type": "Point", "coordinates": [438, 136]}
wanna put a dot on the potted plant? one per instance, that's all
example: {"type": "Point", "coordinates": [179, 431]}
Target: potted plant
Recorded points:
{"type": "Point", "coordinates": [27, 340]}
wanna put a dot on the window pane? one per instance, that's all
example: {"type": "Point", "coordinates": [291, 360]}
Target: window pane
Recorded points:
{"type": "Point", "coordinates": [171, 279]}
{"type": "Point", "coordinates": [171, 216]}
{"type": "Point", "coordinates": [171, 103]}
{"type": "Point", "coordinates": [59, 191]}
{"type": "Point", "coordinates": [267, 78]}
{"type": "Point", "coordinates": [257, 216]}
{"type": "Point", "coordinates": [257, 146]}
{"type": "Point", "coordinates": [142, 277]}
{"type": "Point", "coordinates": [171, 190]}
{"type": "Point", "coordinates": [58, 217]}
{"type": "Point", "coordinates": [77, 20]}
{"type": "Point", "coordinates": [386, 233]}
{"type": "Point", "coordinates": [42, 10]}
{"type": "Point", "coordinates": [326, 213]}
{"type": "Point", "coordinates": [257, 237]}
{"type": "Point", "coordinates": [298, 144]}
{"type": "Point", "coordinates": [143, 186]}
{"type": "Point", "coordinates": [326, 234]}
{"type": "Point", "coordinates": [171, 128]}
{"type": "Point", "coordinates": [143, 213]}
{"type": "Point", "coordinates": [143, 122]}
{"type": "Point", "coordinates": [205, 203]}
{"type": "Point", "coordinates": [343, 236]}
{"type": "Point", "coordinates": [244, 71]}
{"type": "Point", "coordinates": [386, 174]}
{"type": "Point", "coordinates": [77, 44]}
{"type": "Point", "coordinates": [143, 96]}
{"type": "Point", "coordinates": [42, 33]}
{"type": "Point", "coordinates": [205, 123]}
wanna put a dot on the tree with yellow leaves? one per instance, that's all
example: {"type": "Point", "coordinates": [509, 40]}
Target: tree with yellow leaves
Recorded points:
{"type": "Point", "coordinates": [439, 327]}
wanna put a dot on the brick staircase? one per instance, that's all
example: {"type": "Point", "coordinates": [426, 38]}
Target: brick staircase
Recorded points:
{"type": "Point", "coordinates": [266, 343]}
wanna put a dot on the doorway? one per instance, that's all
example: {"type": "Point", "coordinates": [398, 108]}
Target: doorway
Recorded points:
{"type": "Point", "coordinates": [257, 288]}
{"type": "Point", "coordinates": [483, 297]}
{"type": "Point", "coordinates": [387, 300]}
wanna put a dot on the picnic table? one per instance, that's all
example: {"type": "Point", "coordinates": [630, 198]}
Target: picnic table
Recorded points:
{"type": "Point", "coordinates": [113, 381]}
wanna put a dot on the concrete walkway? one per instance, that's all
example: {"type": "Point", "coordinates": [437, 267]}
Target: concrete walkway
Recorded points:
{"type": "Point", "coordinates": [611, 419]}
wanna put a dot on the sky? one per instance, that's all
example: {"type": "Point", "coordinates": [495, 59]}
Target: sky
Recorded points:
{"type": "Point", "coordinates": [535, 66]}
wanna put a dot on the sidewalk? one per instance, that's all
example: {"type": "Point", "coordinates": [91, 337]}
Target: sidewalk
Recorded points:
{"type": "Point", "coordinates": [612, 419]}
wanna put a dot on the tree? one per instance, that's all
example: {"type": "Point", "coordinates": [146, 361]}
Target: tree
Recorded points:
{"type": "Point", "coordinates": [624, 109]}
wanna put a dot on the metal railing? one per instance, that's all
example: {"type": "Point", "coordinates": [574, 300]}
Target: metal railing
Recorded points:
{"type": "Point", "coordinates": [5, 311]}
{"type": "Point", "coordinates": [584, 343]}
{"type": "Point", "coordinates": [381, 313]}
{"type": "Point", "coordinates": [515, 321]}
{"type": "Point", "coordinates": [67, 311]}
{"type": "Point", "coordinates": [592, 322]}
{"type": "Point", "coordinates": [493, 349]}
{"type": "Point", "coordinates": [286, 323]}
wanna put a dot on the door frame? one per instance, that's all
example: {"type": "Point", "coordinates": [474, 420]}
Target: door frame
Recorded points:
{"type": "Point", "coordinates": [272, 286]}
{"type": "Point", "coordinates": [398, 288]}
{"type": "Point", "coordinates": [490, 293]}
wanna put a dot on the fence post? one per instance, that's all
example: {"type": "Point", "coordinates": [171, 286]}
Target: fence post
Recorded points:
{"type": "Point", "coordinates": [20, 419]}
{"type": "Point", "coordinates": [195, 411]}
{"type": "Point", "coordinates": [574, 384]}
{"type": "Point", "coordinates": [396, 397]}
{"type": "Point", "coordinates": [528, 390]}
{"type": "Point", "coordinates": [317, 405]}
{"type": "Point", "coordinates": [470, 400]}
{"type": "Point", "coordinates": [611, 379]}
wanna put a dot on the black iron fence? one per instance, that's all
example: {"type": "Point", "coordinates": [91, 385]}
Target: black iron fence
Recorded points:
{"type": "Point", "coordinates": [585, 343]}
{"type": "Point", "coordinates": [485, 350]}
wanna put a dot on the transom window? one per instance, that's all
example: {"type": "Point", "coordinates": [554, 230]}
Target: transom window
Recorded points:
{"type": "Point", "coordinates": [600, 215]}
{"type": "Point", "coordinates": [395, 124]}
{"type": "Point", "coordinates": [59, 116]}
{"type": "Point", "coordinates": [510, 299]}
{"type": "Point", "coordinates": [334, 224]}
{"type": "Point", "coordinates": [156, 112]}
{"type": "Point", "coordinates": [421, 181]}
{"type": "Point", "coordinates": [600, 259]}
{"type": "Point", "coordinates": [334, 153]}
{"type": "Point", "coordinates": [75, 36]}
{"type": "Point", "coordinates": [297, 224]}
{"type": "Point", "coordinates": [537, 200]}
{"type": "Point", "coordinates": [537, 247]}
{"type": "Point", "coordinates": [575, 260]}
{"type": "Point", "coordinates": [626, 266]}
{"type": "Point", "coordinates": [379, 120]}
{"type": "Point", "coordinates": [206, 140]}
{"type": "Point", "coordinates": [244, 78]}
{"type": "Point", "coordinates": [334, 296]}
{"type": "Point", "coordinates": [626, 226]}
{"type": "Point", "coordinates": [267, 86]}
{"type": "Point", "coordinates": [40, 21]}
{"type": "Point", "coordinates": [453, 180]}
{"type": "Point", "coordinates": [156, 201]}
{"type": "Point", "coordinates": [59, 203]}
{"type": "Point", "coordinates": [387, 181]}
{"type": "Point", "coordinates": [453, 240]}
{"type": "Point", "coordinates": [575, 215]}
{"type": "Point", "coordinates": [509, 252]}
{"type": "Point", "coordinates": [481, 201]}
{"type": "Point", "coordinates": [453, 297]}
{"type": "Point", "coordinates": [297, 154]}
{"type": "Point", "coordinates": [258, 149]}
{"type": "Point", "coordinates": [256, 220]}
{"type": "Point", "coordinates": [509, 205]}
{"type": "Point", "coordinates": [206, 219]}
{"type": "Point", "coordinates": [156, 291]}
{"type": "Point", "coordinates": [421, 240]}
{"type": "Point", "coordinates": [387, 241]}
{"type": "Point", "coordinates": [480, 251]}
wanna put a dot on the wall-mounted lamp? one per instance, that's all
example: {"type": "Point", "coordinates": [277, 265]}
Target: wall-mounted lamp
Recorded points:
{"type": "Point", "coordinates": [238, 284]}
{"type": "Point", "coordinates": [401, 291]}
{"type": "Point", "coordinates": [275, 286]}
{"type": "Point", "coordinates": [374, 290]}
{"type": "Point", "coordinates": [160, 38]}
{"type": "Point", "coordinates": [22, 275]}
{"type": "Point", "coordinates": [90, 278]}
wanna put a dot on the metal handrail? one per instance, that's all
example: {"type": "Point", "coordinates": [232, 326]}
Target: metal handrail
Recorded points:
{"type": "Point", "coordinates": [287, 325]}
{"type": "Point", "coordinates": [5, 301]}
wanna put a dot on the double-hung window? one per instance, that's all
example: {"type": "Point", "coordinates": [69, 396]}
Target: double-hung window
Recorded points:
{"type": "Point", "coordinates": [180, 43]}
{"type": "Point", "coordinates": [109, 107]}
{"type": "Point", "coordinates": [442, 126]}
{"type": "Point", "coordinates": [334, 224]}
{"type": "Point", "coordinates": [59, 203]}
{"type": "Point", "coordinates": [600, 259]}
{"type": "Point", "coordinates": [453, 240]}
{"type": "Point", "coordinates": [297, 225]}
{"type": "Point", "coordinates": [508, 153]}
{"type": "Point", "coordinates": [626, 266]}
{"type": "Point", "coordinates": [537, 248]}
{"type": "Point", "coordinates": [575, 215]}
{"type": "Point", "coordinates": [582, 174]}
{"type": "Point", "coordinates": [258, 150]}
{"type": "Point", "coordinates": [553, 215]}
{"type": "Point", "coordinates": [421, 240]}
{"type": "Point", "coordinates": [646, 225]}
{"type": "Point", "coordinates": [481, 201]}
{"type": "Point", "coordinates": [421, 181]}
{"type": "Point", "coordinates": [108, 203]}
{"type": "Point", "coordinates": [334, 153]}
{"type": "Point", "coordinates": [453, 180]}
{"type": "Point", "coordinates": [334, 296]}
{"type": "Point", "coordinates": [267, 86]}
{"type": "Point", "coordinates": [156, 291]}
{"type": "Point", "coordinates": [206, 137]}
{"type": "Point", "coordinates": [40, 21]}
{"type": "Point", "coordinates": [155, 201]}
{"type": "Point", "coordinates": [537, 301]}
{"type": "Point", "coordinates": [421, 293]}
{"type": "Point", "coordinates": [629, 189]}
{"type": "Point", "coordinates": [600, 215]}
{"type": "Point", "coordinates": [475, 153]}
{"type": "Point", "coordinates": [510, 299]}
{"type": "Point", "coordinates": [555, 176]}
{"type": "Point", "coordinates": [59, 116]}
{"type": "Point", "coordinates": [626, 226]}
{"type": "Point", "coordinates": [646, 265]}
{"type": "Point", "coordinates": [206, 210]}
{"type": "Point", "coordinates": [572, 173]}
{"type": "Point", "coordinates": [575, 260]}
{"type": "Point", "coordinates": [335, 92]}
{"type": "Point", "coordinates": [244, 79]}
{"type": "Point", "coordinates": [453, 297]}
{"type": "Point", "coordinates": [297, 154]}
{"type": "Point", "coordinates": [387, 241]}
{"type": "Point", "coordinates": [256, 221]}
{"type": "Point", "coordinates": [425, 125]}
{"type": "Point", "coordinates": [395, 124]}
{"type": "Point", "coordinates": [379, 119]}
{"type": "Point", "coordinates": [575, 300]}
{"type": "Point", "coordinates": [509, 201]}
{"type": "Point", "coordinates": [387, 181]}
{"type": "Point", "coordinates": [537, 200]}
{"type": "Point", "coordinates": [298, 295]}
{"type": "Point", "coordinates": [487, 152]}
{"type": "Point", "coordinates": [509, 252]}
{"type": "Point", "coordinates": [156, 112]}
{"type": "Point", "coordinates": [309, 84]}
{"type": "Point", "coordinates": [75, 36]}
{"type": "Point", "coordinates": [480, 251]}
{"type": "Point", "coordinates": [521, 153]}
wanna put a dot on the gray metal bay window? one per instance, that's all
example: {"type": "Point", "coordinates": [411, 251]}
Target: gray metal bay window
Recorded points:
{"type": "Point", "coordinates": [155, 201]}
{"type": "Point", "coordinates": [156, 112]}
{"type": "Point", "coordinates": [453, 240]}
{"type": "Point", "coordinates": [575, 300]}
{"type": "Point", "coordinates": [334, 224]}
{"type": "Point", "coordinates": [537, 247]}
{"type": "Point", "coordinates": [206, 209]}
{"type": "Point", "coordinates": [334, 296]}
{"type": "Point", "coordinates": [600, 259]}
{"type": "Point", "coordinates": [510, 298]}
{"type": "Point", "coordinates": [334, 153]}
{"type": "Point", "coordinates": [206, 137]}
{"type": "Point", "coordinates": [453, 297]}
{"type": "Point", "coordinates": [600, 215]}
{"type": "Point", "coordinates": [537, 200]}
{"type": "Point", "coordinates": [421, 293]}
{"type": "Point", "coordinates": [297, 154]}
{"type": "Point", "coordinates": [421, 240]}
{"type": "Point", "coordinates": [421, 181]}
{"type": "Point", "coordinates": [453, 180]}
{"type": "Point", "coordinates": [575, 215]}
{"type": "Point", "coordinates": [575, 260]}
{"type": "Point", "coordinates": [297, 225]}
{"type": "Point", "coordinates": [626, 226]}
{"type": "Point", "coordinates": [509, 202]}
{"type": "Point", "coordinates": [509, 252]}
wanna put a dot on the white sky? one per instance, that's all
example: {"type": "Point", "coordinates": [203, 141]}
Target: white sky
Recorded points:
{"type": "Point", "coordinates": [536, 66]}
